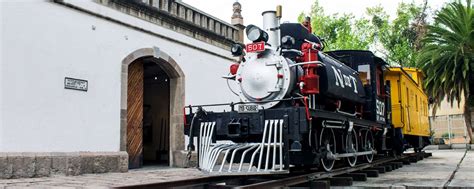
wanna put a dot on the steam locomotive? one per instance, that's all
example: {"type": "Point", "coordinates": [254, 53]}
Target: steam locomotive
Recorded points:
{"type": "Point", "coordinates": [300, 106]}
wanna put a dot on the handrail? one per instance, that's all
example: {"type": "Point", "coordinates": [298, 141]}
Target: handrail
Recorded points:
{"type": "Point", "coordinates": [237, 103]}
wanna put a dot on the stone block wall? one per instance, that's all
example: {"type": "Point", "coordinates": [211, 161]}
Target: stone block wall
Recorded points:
{"type": "Point", "coordinates": [29, 165]}
{"type": "Point", "coordinates": [182, 18]}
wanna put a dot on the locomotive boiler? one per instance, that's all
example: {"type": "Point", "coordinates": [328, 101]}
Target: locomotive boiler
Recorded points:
{"type": "Point", "coordinates": [300, 106]}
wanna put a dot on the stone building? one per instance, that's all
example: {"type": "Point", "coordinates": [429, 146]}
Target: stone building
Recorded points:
{"type": "Point", "coordinates": [449, 124]}
{"type": "Point", "coordinates": [98, 86]}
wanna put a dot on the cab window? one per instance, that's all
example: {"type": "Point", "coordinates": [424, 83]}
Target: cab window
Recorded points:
{"type": "Point", "coordinates": [379, 78]}
{"type": "Point", "coordinates": [364, 74]}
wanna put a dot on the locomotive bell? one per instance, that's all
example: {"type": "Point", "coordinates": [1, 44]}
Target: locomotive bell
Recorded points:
{"type": "Point", "coordinates": [287, 42]}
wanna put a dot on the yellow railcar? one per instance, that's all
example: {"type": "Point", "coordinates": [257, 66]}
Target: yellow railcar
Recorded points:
{"type": "Point", "coordinates": [409, 104]}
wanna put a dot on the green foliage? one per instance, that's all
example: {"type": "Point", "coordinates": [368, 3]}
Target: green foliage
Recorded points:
{"type": "Point", "coordinates": [397, 40]}
{"type": "Point", "coordinates": [340, 31]}
{"type": "Point", "coordinates": [448, 56]}
{"type": "Point", "coordinates": [446, 135]}
{"type": "Point", "coordinates": [444, 50]}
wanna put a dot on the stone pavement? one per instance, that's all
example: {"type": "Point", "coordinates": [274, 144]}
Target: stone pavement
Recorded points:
{"type": "Point", "coordinates": [433, 172]}
{"type": "Point", "coordinates": [464, 176]}
{"type": "Point", "coordinates": [106, 180]}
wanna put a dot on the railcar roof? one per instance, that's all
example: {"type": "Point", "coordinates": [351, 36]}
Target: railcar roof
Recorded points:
{"type": "Point", "coordinates": [415, 79]}
{"type": "Point", "coordinates": [356, 56]}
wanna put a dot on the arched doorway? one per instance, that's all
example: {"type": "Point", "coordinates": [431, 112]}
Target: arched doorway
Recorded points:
{"type": "Point", "coordinates": [152, 102]}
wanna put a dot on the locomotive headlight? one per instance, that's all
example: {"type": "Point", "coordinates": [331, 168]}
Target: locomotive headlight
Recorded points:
{"type": "Point", "coordinates": [256, 34]}
{"type": "Point", "coordinates": [253, 32]}
{"type": "Point", "coordinates": [237, 49]}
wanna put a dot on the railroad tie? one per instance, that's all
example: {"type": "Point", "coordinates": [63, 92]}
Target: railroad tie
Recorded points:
{"type": "Point", "coordinates": [323, 184]}
{"type": "Point", "coordinates": [426, 155]}
{"type": "Point", "coordinates": [406, 162]}
{"type": "Point", "coordinates": [356, 176]}
{"type": "Point", "coordinates": [420, 157]}
{"type": "Point", "coordinates": [341, 181]}
{"type": "Point", "coordinates": [399, 163]}
{"type": "Point", "coordinates": [388, 168]}
{"type": "Point", "coordinates": [381, 169]}
{"type": "Point", "coordinates": [369, 173]}
{"type": "Point", "coordinates": [394, 165]}
{"type": "Point", "coordinates": [413, 159]}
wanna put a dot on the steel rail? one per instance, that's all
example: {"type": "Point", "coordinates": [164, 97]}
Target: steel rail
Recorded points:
{"type": "Point", "coordinates": [270, 181]}
{"type": "Point", "coordinates": [291, 181]}
{"type": "Point", "coordinates": [179, 183]}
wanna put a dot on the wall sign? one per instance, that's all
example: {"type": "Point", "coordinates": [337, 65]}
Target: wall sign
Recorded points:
{"type": "Point", "coordinates": [75, 84]}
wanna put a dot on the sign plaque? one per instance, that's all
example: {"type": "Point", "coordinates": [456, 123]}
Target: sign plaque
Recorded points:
{"type": "Point", "coordinates": [75, 84]}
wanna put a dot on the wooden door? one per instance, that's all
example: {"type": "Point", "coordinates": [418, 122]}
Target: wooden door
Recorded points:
{"type": "Point", "coordinates": [135, 114]}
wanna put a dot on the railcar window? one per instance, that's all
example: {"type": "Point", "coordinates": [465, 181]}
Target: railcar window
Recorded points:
{"type": "Point", "coordinates": [387, 87]}
{"type": "Point", "coordinates": [408, 98]}
{"type": "Point", "coordinates": [364, 74]}
{"type": "Point", "coordinates": [377, 80]}
{"type": "Point", "coordinates": [416, 101]}
{"type": "Point", "coordinates": [422, 107]}
{"type": "Point", "coordinates": [399, 86]}
{"type": "Point", "coordinates": [380, 89]}
{"type": "Point", "coordinates": [380, 84]}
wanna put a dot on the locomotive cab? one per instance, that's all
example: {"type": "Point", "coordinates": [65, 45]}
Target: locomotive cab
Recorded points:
{"type": "Point", "coordinates": [371, 71]}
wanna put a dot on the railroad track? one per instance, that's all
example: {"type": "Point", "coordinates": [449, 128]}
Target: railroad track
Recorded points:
{"type": "Point", "coordinates": [319, 179]}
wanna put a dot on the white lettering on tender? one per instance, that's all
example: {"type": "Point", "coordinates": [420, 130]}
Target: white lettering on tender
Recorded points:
{"type": "Point", "coordinates": [355, 84]}
{"type": "Point", "coordinates": [338, 76]}
{"type": "Point", "coordinates": [343, 80]}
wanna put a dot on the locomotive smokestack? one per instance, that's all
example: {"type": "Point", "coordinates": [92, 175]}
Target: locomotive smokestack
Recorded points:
{"type": "Point", "coordinates": [271, 24]}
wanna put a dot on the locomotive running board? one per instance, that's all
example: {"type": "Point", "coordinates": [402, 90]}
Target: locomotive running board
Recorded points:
{"type": "Point", "coordinates": [210, 153]}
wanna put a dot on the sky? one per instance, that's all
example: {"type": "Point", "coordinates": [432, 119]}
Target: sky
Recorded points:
{"type": "Point", "coordinates": [252, 9]}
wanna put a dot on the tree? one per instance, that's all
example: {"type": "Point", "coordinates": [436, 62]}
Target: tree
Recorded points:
{"type": "Point", "coordinates": [399, 40]}
{"type": "Point", "coordinates": [447, 57]}
{"type": "Point", "coordinates": [341, 32]}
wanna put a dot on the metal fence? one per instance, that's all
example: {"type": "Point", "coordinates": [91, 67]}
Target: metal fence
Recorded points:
{"type": "Point", "coordinates": [449, 129]}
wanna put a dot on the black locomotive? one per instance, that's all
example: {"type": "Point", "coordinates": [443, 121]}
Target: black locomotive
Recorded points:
{"type": "Point", "coordinates": [300, 107]}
